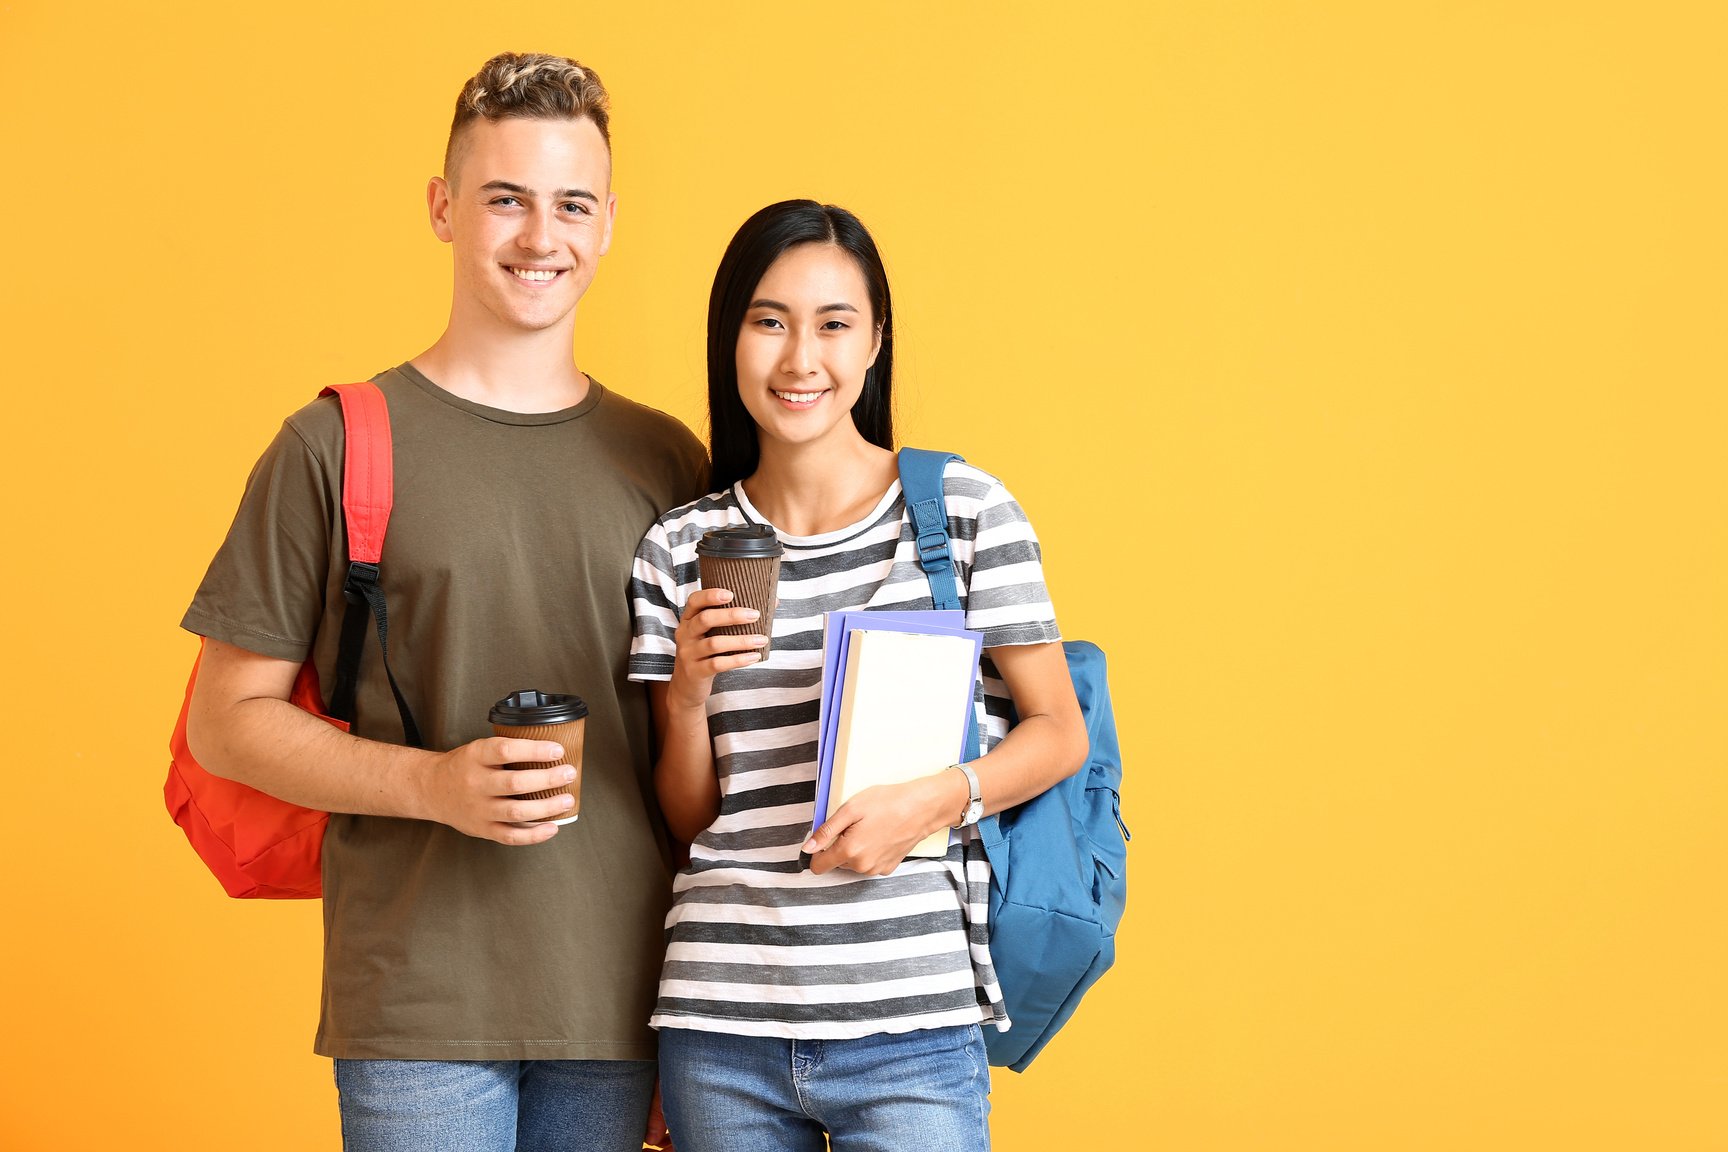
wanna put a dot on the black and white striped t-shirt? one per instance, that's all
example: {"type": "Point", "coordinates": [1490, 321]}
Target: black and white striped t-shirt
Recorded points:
{"type": "Point", "coordinates": [756, 944]}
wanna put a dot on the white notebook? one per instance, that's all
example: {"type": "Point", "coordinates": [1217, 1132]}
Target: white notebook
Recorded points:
{"type": "Point", "coordinates": [902, 713]}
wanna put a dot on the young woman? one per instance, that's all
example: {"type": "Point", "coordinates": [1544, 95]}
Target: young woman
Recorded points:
{"type": "Point", "coordinates": [844, 998]}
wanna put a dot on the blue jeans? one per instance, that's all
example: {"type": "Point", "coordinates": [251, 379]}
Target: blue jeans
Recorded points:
{"type": "Point", "coordinates": [883, 1093]}
{"type": "Point", "coordinates": [494, 1105]}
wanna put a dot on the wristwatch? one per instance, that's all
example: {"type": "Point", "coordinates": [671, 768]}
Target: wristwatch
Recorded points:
{"type": "Point", "coordinates": [974, 801]}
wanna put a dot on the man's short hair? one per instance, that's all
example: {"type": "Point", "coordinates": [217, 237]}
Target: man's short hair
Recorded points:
{"type": "Point", "coordinates": [530, 86]}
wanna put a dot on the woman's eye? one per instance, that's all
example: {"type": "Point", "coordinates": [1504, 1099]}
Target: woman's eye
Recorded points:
{"type": "Point", "coordinates": [769, 322]}
{"type": "Point", "coordinates": [835, 325]}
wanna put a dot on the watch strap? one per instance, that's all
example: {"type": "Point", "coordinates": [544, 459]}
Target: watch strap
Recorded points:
{"type": "Point", "coordinates": [974, 797]}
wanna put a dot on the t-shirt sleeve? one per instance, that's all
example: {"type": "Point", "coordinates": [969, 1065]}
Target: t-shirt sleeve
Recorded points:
{"type": "Point", "coordinates": [1006, 598]}
{"type": "Point", "coordinates": [697, 469]}
{"type": "Point", "coordinates": [656, 603]}
{"type": "Point", "coordinates": [684, 456]}
{"type": "Point", "coordinates": [264, 591]}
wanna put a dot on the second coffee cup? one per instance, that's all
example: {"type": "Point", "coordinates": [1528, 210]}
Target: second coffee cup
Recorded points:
{"type": "Point", "coordinates": [534, 715]}
{"type": "Point", "coordinates": [744, 560]}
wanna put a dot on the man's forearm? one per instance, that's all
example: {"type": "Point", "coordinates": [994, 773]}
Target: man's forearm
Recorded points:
{"type": "Point", "coordinates": [275, 747]}
{"type": "Point", "coordinates": [242, 726]}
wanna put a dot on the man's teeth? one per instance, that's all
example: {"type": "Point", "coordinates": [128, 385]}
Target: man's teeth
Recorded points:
{"type": "Point", "coordinates": [798, 397]}
{"type": "Point", "coordinates": [534, 273]}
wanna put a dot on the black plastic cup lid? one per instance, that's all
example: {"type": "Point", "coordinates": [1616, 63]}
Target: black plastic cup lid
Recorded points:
{"type": "Point", "coordinates": [744, 541]}
{"type": "Point", "coordinates": [531, 709]}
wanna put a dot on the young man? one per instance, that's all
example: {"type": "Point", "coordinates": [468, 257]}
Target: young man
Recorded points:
{"type": "Point", "coordinates": [487, 980]}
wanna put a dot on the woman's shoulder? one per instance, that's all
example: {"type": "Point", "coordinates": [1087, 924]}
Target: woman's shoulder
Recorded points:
{"type": "Point", "coordinates": [958, 471]}
{"type": "Point", "coordinates": [966, 486]}
{"type": "Point", "coordinates": [980, 506]}
{"type": "Point", "coordinates": [715, 510]}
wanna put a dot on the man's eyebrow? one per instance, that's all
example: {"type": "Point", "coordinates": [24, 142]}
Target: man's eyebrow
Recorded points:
{"type": "Point", "coordinates": [528, 193]}
{"type": "Point", "coordinates": [776, 306]}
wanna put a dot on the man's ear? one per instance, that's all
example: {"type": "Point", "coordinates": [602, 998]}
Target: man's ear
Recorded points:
{"type": "Point", "coordinates": [438, 207]}
{"type": "Point", "coordinates": [611, 216]}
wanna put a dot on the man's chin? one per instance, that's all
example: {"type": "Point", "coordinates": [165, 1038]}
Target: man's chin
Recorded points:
{"type": "Point", "coordinates": [530, 321]}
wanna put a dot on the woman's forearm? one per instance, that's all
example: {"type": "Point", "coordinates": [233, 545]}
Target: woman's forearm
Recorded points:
{"type": "Point", "coordinates": [1049, 742]}
{"type": "Point", "coordinates": [684, 779]}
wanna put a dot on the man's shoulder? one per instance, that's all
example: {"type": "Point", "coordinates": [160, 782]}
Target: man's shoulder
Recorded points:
{"type": "Point", "coordinates": [320, 424]}
{"type": "Point", "coordinates": [319, 421]}
{"type": "Point", "coordinates": [650, 420]}
{"type": "Point", "coordinates": [659, 443]}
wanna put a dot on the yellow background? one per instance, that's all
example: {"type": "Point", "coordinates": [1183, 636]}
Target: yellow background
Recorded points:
{"type": "Point", "coordinates": [1361, 365]}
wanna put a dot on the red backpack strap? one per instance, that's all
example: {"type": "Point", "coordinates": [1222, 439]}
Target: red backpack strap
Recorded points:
{"type": "Point", "coordinates": [368, 478]}
{"type": "Point", "coordinates": [368, 492]}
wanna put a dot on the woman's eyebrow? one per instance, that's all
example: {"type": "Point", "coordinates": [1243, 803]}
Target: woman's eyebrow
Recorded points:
{"type": "Point", "coordinates": [776, 306]}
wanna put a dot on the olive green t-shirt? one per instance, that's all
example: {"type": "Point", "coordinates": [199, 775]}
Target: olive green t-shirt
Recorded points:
{"type": "Point", "coordinates": [506, 566]}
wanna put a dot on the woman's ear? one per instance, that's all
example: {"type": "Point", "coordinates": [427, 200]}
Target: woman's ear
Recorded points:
{"type": "Point", "coordinates": [875, 349]}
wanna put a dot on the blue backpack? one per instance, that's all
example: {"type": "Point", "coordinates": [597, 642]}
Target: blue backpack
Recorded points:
{"type": "Point", "coordinates": [1059, 862]}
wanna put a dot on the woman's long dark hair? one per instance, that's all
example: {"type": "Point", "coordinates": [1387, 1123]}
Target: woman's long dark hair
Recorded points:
{"type": "Point", "coordinates": [761, 241]}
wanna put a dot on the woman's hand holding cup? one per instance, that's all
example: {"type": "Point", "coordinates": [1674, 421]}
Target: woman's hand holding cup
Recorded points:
{"type": "Point", "coordinates": [702, 653]}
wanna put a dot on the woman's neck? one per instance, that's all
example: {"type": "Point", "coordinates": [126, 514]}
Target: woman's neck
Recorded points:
{"type": "Point", "coordinates": [809, 489]}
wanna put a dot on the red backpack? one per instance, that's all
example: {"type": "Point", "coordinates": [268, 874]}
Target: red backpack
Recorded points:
{"type": "Point", "coordinates": [257, 845]}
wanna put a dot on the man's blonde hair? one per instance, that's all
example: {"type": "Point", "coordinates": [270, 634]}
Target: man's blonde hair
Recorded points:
{"type": "Point", "coordinates": [530, 86]}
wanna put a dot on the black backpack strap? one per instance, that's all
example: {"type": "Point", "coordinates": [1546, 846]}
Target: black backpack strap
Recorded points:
{"type": "Point", "coordinates": [368, 491]}
{"type": "Point", "coordinates": [366, 600]}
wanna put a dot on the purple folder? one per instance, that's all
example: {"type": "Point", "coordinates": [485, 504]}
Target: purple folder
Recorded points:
{"type": "Point", "coordinates": [836, 629]}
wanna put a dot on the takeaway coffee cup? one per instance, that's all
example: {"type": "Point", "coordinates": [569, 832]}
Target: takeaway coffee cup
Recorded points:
{"type": "Point", "coordinates": [534, 715]}
{"type": "Point", "coordinates": [745, 560]}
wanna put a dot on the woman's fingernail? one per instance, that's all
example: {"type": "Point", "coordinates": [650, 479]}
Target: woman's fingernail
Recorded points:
{"type": "Point", "coordinates": [750, 613]}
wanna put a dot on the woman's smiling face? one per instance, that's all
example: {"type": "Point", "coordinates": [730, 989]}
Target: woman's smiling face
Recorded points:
{"type": "Point", "coordinates": [808, 337]}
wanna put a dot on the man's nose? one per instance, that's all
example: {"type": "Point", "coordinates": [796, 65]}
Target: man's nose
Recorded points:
{"type": "Point", "coordinates": [536, 233]}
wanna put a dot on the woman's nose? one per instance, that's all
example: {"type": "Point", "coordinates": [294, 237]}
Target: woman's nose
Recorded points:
{"type": "Point", "coordinates": [799, 358]}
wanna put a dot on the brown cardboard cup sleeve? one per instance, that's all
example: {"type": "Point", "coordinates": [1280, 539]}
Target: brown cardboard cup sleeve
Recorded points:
{"type": "Point", "coordinates": [530, 714]}
{"type": "Point", "coordinates": [745, 560]}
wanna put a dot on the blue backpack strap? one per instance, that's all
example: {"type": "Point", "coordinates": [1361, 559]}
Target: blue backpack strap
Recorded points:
{"type": "Point", "coordinates": [921, 482]}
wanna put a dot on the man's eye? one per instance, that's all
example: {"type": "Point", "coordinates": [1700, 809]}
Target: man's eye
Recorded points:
{"type": "Point", "coordinates": [576, 206]}
{"type": "Point", "coordinates": [506, 201]}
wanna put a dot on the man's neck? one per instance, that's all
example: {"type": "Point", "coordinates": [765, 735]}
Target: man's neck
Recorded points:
{"type": "Point", "coordinates": [514, 371]}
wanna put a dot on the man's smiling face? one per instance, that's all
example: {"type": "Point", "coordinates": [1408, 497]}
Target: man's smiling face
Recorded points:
{"type": "Point", "coordinates": [528, 212]}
